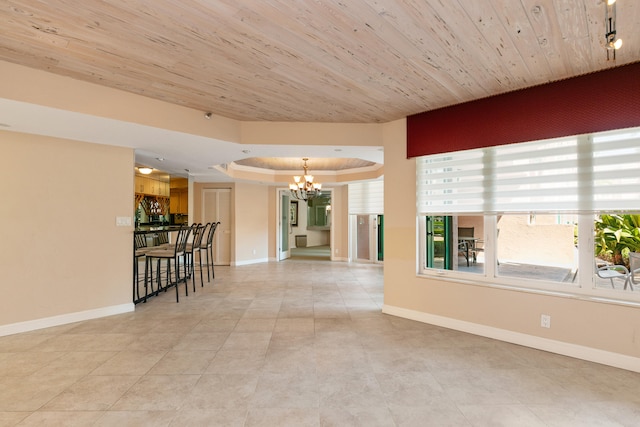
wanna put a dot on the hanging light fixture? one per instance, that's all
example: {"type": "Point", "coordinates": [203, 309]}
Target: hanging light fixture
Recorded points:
{"type": "Point", "coordinates": [612, 43]}
{"type": "Point", "coordinates": [303, 187]}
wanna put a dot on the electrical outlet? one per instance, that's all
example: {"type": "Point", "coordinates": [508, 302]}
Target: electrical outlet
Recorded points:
{"type": "Point", "coordinates": [545, 321]}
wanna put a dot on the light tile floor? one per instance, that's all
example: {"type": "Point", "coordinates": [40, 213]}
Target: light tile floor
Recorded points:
{"type": "Point", "coordinates": [297, 343]}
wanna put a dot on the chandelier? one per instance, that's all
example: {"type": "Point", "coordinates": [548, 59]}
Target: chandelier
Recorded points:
{"type": "Point", "coordinates": [612, 42]}
{"type": "Point", "coordinates": [303, 187]}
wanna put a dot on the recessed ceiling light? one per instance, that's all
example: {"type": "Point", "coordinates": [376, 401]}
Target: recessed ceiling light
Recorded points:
{"type": "Point", "coordinates": [338, 149]}
{"type": "Point", "coordinates": [246, 151]}
{"type": "Point", "coordinates": [160, 159]}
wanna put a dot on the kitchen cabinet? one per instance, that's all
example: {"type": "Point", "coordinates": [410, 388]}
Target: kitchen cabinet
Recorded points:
{"type": "Point", "coordinates": [179, 202]}
{"type": "Point", "coordinates": [150, 186]}
{"type": "Point", "coordinates": [140, 184]}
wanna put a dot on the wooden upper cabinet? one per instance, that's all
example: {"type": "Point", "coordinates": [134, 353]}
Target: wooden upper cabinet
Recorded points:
{"type": "Point", "coordinates": [140, 184]}
{"type": "Point", "coordinates": [179, 201]}
{"type": "Point", "coordinates": [174, 201]}
{"type": "Point", "coordinates": [145, 185]}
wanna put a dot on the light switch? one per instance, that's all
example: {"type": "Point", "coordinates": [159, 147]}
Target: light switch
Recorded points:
{"type": "Point", "coordinates": [123, 221]}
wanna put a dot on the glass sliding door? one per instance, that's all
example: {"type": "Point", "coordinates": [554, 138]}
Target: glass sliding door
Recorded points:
{"type": "Point", "coordinates": [439, 238]}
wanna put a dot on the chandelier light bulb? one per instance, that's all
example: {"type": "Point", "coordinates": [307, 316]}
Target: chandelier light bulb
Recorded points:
{"type": "Point", "coordinates": [304, 189]}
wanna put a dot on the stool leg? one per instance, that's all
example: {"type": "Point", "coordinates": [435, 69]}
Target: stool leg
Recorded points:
{"type": "Point", "coordinates": [146, 278]}
{"type": "Point", "coordinates": [178, 281]}
{"type": "Point", "coordinates": [192, 269]}
{"type": "Point", "coordinates": [158, 278]}
{"type": "Point", "coordinates": [168, 272]}
{"type": "Point", "coordinates": [186, 273]}
{"type": "Point", "coordinates": [206, 250]}
{"type": "Point", "coordinates": [135, 277]}
{"type": "Point", "coordinates": [200, 264]}
{"type": "Point", "coordinates": [213, 272]}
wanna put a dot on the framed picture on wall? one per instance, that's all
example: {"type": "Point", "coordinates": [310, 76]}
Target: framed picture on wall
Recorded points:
{"type": "Point", "coordinates": [293, 213]}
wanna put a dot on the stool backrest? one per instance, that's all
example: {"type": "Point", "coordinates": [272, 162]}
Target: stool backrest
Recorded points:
{"type": "Point", "coordinates": [140, 241]}
{"type": "Point", "coordinates": [163, 237]}
{"type": "Point", "coordinates": [205, 235]}
{"type": "Point", "coordinates": [198, 233]}
{"type": "Point", "coordinates": [212, 230]}
{"type": "Point", "coordinates": [182, 238]}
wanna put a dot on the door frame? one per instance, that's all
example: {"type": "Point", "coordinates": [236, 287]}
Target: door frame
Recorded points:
{"type": "Point", "coordinates": [374, 234]}
{"type": "Point", "coordinates": [282, 255]}
{"type": "Point", "coordinates": [279, 191]}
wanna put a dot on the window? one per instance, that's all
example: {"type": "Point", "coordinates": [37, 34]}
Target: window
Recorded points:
{"type": "Point", "coordinates": [526, 214]}
{"type": "Point", "coordinates": [544, 249]}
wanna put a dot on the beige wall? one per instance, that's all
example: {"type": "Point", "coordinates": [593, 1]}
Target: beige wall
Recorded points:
{"type": "Point", "coordinates": [333, 134]}
{"type": "Point", "coordinates": [579, 323]}
{"type": "Point", "coordinates": [38, 87]}
{"type": "Point", "coordinates": [251, 219]}
{"type": "Point", "coordinates": [340, 224]}
{"type": "Point", "coordinates": [61, 251]}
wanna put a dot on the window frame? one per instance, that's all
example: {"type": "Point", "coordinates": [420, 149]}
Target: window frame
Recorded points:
{"type": "Point", "coordinates": [585, 285]}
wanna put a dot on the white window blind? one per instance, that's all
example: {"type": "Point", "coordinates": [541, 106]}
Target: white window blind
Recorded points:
{"type": "Point", "coordinates": [616, 171]}
{"type": "Point", "coordinates": [366, 198]}
{"type": "Point", "coordinates": [575, 174]}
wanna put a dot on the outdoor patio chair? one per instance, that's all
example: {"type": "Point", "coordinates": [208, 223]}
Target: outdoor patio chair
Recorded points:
{"type": "Point", "coordinates": [467, 243]}
{"type": "Point", "coordinates": [634, 269]}
{"type": "Point", "coordinates": [606, 270]}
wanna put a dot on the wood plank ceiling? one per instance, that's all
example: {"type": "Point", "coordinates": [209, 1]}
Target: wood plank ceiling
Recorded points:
{"type": "Point", "coordinates": [355, 61]}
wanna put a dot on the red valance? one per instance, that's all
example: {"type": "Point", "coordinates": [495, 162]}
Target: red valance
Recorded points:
{"type": "Point", "coordinates": [600, 101]}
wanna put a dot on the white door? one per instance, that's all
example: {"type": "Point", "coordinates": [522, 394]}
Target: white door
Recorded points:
{"type": "Point", "coordinates": [284, 224]}
{"type": "Point", "coordinates": [216, 206]}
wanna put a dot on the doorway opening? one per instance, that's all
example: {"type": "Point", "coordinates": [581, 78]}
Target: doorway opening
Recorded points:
{"type": "Point", "coordinates": [304, 227]}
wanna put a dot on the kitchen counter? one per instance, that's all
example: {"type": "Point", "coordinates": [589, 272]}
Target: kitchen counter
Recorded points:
{"type": "Point", "coordinates": [146, 229]}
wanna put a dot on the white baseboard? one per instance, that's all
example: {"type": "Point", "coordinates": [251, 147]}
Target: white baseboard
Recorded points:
{"type": "Point", "coordinates": [249, 262]}
{"type": "Point", "coordinates": [566, 349]}
{"type": "Point", "coordinates": [63, 319]}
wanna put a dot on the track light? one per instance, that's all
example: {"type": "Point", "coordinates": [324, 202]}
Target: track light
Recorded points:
{"type": "Point", "coordinates": [612, 43]}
